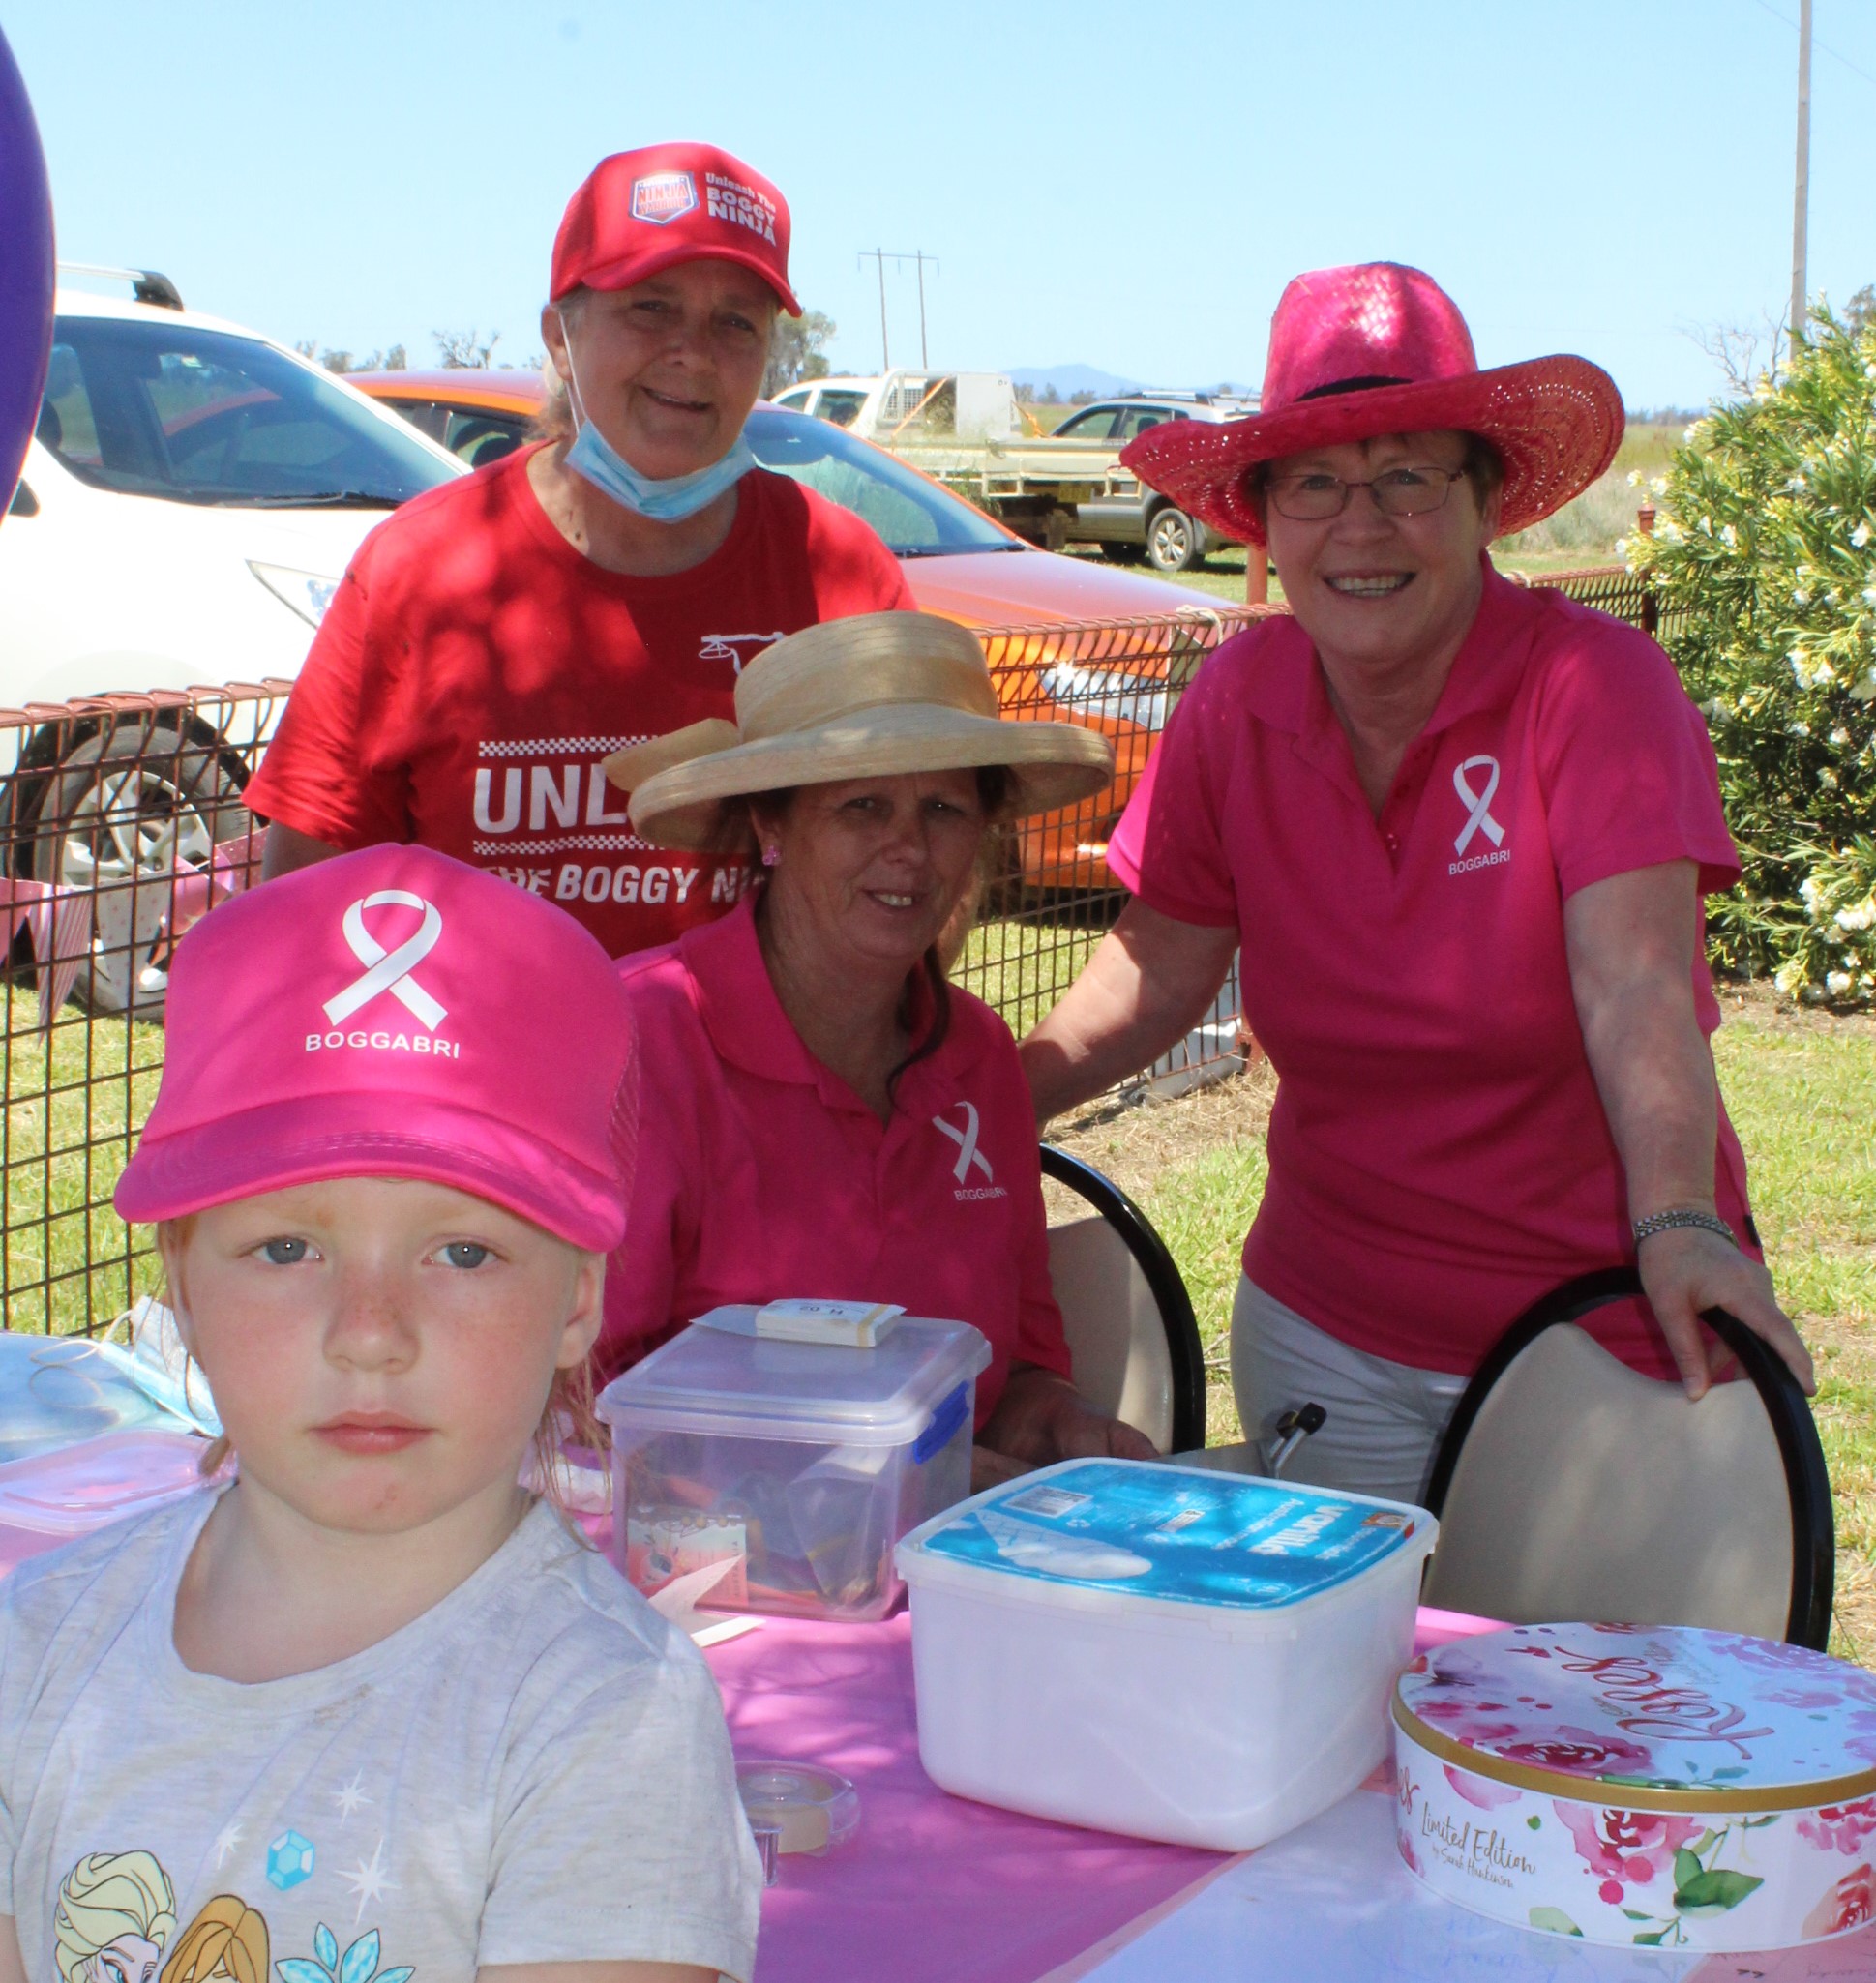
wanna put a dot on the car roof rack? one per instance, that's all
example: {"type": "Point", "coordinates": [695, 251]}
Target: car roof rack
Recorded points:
{"type": "Point", "coordinates": [148, 285]}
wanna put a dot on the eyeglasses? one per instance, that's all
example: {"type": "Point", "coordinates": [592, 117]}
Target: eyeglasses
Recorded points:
{"type": "Point", "coordinates": [1313, 499]}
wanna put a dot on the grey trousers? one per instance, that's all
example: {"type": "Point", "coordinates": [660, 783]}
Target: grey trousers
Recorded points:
{"type": "Point", "coordinates": [1385, 1420]}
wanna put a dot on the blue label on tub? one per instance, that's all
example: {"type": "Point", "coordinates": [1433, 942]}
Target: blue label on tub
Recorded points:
{"type": "Point", "coordinates": [1154, 1531]}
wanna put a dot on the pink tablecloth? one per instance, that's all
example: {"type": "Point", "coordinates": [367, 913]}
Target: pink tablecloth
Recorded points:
{"type": "Point", "coordinates": [933, 1888]}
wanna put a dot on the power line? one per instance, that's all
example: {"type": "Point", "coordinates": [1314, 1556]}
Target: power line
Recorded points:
{"type": "Point", "coordinates": [1770, 9]}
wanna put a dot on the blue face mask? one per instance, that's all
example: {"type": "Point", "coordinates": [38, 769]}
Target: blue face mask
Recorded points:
{"type": "Point", "coordinates": [667, 501]}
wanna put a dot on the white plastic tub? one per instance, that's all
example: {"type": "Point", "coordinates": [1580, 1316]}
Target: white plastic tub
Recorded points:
{"type": "Point", "coordinates": [794, 1465]}
{"type": "Point", "coordinates": [1159, 1650]}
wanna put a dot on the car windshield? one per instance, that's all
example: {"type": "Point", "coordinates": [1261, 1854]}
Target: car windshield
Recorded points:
{"type": "Point", "coordinates": [147, 408]}
{"type": "Point", "coordinates": [916, 517]}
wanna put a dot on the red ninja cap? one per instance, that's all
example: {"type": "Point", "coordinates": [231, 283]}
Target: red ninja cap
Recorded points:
{"type": "Point", "coordinates": [644, 211]}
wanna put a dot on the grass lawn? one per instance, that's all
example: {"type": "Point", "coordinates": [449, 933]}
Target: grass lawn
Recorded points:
{"type": "Point", "coordinates": [1802, 1091]}
{"type": "Point", "coordinates": [60, 1156]}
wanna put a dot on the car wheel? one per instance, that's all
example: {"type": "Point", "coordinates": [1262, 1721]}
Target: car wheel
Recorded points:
{"type": "Point", "coordinates": [119, 816]}
{"type": "Point", "coordinates": [1119, 553]}
{"type": "Point", "coordinates": [1172, 540]}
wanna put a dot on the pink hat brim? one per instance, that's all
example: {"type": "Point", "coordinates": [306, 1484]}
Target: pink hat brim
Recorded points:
{"type": "Point", "coordinates": [1556, 422]}
{"type": "Point", "coordinates": [281, 1144]}
{"type": "Point", "coordinates": [640, 268]}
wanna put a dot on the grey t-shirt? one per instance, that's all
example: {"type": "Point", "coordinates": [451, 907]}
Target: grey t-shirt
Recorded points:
{"type": "Point", "coordinates": [535, 1770]}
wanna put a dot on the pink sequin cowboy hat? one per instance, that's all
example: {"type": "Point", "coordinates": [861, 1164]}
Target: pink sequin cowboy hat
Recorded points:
{"type": "Point", "coordinates": [1375, 349]}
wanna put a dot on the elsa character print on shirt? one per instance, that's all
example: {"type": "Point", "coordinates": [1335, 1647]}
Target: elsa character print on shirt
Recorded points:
{"type": "Point", "coordinates": [115, 1913]}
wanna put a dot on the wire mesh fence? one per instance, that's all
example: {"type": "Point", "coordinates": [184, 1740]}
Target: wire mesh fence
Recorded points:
{"type": "Point", "coordinates": [124, 822]}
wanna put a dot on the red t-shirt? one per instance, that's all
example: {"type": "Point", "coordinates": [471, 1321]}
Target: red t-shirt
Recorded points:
{"type": "Point", "coordinates": [1439, 1152]}
{"type": "Point", "coordinates": [762, 1176]}
{"type": "Point", "coordinates": [474, 668]}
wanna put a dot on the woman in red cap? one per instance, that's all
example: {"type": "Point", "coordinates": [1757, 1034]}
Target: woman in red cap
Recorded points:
{"type": "Point", "coordinates": [1459, 833]}
{"type": "Point", "coordinates": [492, 641]}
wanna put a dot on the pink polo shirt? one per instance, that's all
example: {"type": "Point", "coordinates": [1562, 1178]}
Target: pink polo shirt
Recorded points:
{"type": "Point", "coordinates": [761, 1174]}
{"type": "Point", "coordinates": [1438, 1153]}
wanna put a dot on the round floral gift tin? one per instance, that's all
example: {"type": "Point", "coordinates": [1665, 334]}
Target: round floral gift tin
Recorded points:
{"type": "Point", "coordinates": [1640, 1785]}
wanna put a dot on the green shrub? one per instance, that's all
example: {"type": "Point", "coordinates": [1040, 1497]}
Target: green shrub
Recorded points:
{"type": "Point", "coordinates": [1834, 954]}
{"type": "Point", "coordinates": [1766, 563]}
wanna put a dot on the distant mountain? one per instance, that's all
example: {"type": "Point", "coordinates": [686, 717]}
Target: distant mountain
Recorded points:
{"type": "Point", "coordinates": [1069, 379]}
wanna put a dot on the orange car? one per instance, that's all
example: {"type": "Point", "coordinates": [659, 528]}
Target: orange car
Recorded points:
{"type": "Point", "coordinates": [1066, 638]}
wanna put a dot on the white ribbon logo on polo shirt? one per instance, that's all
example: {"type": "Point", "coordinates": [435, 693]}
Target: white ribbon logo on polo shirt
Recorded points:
{"type": "Point", "coordinates": [966, 1140]}
{"type": "Point", "coordinates": [1479, 819]}
{"type": "Point", "coordinates": [389, 970]}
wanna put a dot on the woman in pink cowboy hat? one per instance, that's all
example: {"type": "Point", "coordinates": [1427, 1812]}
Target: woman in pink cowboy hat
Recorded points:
{"type": "Point", "coordinates": [1459, 833]}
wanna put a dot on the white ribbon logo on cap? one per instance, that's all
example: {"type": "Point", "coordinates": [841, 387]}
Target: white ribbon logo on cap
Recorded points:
{"type": "Point", "coordinates": [389, 970]}
{"type": "Point", "coordinates": [1480, 821]}
{"type": "Point", "coordinates": [966, 1140]}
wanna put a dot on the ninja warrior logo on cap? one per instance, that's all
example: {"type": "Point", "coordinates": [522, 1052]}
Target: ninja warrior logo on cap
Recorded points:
{"type": "Point", "coordinates": [663, 198]}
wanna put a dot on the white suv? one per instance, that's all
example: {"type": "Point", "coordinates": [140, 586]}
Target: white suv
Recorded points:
{"type": "Point", "coordinates": [188, 502]}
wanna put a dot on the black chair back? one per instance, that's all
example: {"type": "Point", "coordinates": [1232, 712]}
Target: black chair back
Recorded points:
{"type": "Point", "coordinates": [1813, 1524]}
{"type": "Point", "coordinates": [1163, 1279]}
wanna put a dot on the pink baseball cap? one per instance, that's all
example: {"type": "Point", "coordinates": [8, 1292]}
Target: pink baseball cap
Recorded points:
{"type": "Point", "coordinates": [393, 1012]}
{"type": "Point", "coordinates": [639, 212]}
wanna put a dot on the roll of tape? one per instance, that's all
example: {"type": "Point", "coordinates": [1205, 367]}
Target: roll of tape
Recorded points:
{"type": "Point", "coordinates": [809, 1808]}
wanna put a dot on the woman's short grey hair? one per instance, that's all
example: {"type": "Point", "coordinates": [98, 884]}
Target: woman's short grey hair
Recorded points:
{"type": "Point", "coordinates": [555, 421]}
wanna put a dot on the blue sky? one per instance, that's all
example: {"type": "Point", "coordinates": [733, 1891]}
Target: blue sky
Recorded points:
{"type": "Point", "coordinates": [1100, 183]}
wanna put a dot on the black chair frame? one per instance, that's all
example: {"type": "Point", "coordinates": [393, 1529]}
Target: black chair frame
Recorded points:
{"type": "Point", "coordinates": [1813, 1525]}
{"type": "Point", "coordinates": [1163, 1279]}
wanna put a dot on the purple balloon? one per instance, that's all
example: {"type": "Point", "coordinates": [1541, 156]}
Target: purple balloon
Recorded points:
{"type": "Point", "coordinates": [26, 272]}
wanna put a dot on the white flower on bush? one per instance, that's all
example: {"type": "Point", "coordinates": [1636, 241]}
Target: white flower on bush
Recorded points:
{"type": "Point", "coordinates": [1705, 526]}
{"type": "Point", "coordinates": [1799, 597]}
{"type": "Point", "coordinates": [1657, 485]}
{"type": "Point", "coordinates": [1864, 689]}
{"type": "Point", "coordinates": [1789, 977]}
{"type": "Point", "coordinates": [1728, 536]}
{"type": "Point", "coordinates": [1861, 535]}
{"type": "Point", "coordinates": [1869, 595]}
{"type": "Point", "coordinates": [1858, 916]}
{"type": "Point", "coordinates": [1839, 736]}
{"type": "Point", "coordinates": [1634, 478]}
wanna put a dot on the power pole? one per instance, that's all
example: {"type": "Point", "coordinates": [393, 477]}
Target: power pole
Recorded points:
{"type": "Point", "coordinates": [880, 256]}
{"type": "Point", "coordinates": [1800, 203]}
{"type": "Point", "coordinates": [921, 257]}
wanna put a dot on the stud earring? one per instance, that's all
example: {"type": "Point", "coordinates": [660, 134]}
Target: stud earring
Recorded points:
{"type": "Point", "coordinates": [770, 856]}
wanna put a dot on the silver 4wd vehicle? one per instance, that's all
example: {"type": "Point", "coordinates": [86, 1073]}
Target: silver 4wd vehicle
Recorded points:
{"type": "Point", "coordinates": [1127, 520]}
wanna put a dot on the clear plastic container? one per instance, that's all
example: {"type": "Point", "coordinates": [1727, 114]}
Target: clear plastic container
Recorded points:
{"type": "Point", "coordinates": [73, 1491]}
{"type": "Point", "coordinates": [1160, 1650]}
{"type": "Point", "coordinates": [796, 1467]}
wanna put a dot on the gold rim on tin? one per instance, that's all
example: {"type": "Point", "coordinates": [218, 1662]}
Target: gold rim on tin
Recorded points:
{"type": "Point", "coordinates": [1581, 1789]}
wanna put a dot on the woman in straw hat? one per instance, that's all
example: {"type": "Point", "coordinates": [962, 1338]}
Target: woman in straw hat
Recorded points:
{"type": "Point", "coordinates": [1459, 833]}
{"type": "Point", "coordinates": [821, 1113]}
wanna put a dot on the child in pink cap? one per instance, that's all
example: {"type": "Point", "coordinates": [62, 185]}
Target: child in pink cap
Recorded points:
{"type": "Point", "coordinates": [367, 1704]}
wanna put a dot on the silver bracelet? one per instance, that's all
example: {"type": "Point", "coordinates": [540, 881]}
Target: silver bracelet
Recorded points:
{"type": "Point", "coordinates": [1666, 1221]}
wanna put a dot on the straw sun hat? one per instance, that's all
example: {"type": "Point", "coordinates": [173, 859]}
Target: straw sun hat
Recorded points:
{"type": "Point", "coordinates": [1376, 349]}
{"type": "Point", "coordinates": [862, 697]}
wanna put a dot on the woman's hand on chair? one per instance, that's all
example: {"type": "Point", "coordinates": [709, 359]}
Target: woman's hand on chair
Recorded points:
{"type": "Point", "coordinates": [1687, 1269]}
{"type": "Point", "coordinates": [1042, 1418]}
